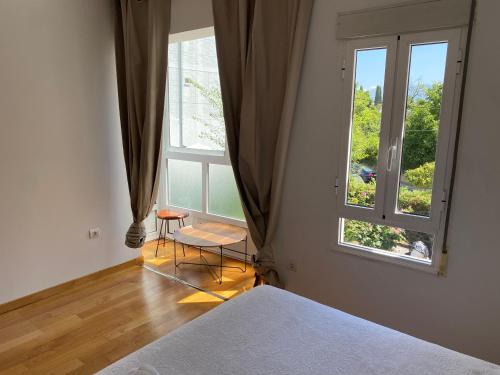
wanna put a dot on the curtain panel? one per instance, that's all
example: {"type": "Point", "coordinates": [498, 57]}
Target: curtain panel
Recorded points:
{"type": "Point", "coordinates": [141, 44]}
{"type": "Point", "coordinates": [260, 48]}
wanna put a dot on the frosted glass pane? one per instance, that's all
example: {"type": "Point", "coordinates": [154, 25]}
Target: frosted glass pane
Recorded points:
{"type": "Point", "coordinates": [184, 184]}
{"type": "Point", "coordinates": [223, 196]}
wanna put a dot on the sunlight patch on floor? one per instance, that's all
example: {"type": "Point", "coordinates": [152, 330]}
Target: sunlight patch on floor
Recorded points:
{"type": "Point", "coordinates": [157, 261]}
{"type": "Point", "coordinates": [201, 297]}
{"type": "Point", "coordinates": [225, 278]}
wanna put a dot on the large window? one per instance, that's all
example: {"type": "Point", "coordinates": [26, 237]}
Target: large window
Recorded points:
{"type": "Point", "coordinates": [199, 175]}
{"type": "Point", "coordinates": [400, 116]}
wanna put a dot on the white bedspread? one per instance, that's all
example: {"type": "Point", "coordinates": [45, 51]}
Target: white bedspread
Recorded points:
{"type": "Point", "coordinates": [271, 331]}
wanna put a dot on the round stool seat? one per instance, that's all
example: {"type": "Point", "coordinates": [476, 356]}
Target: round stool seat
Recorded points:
{"type": "Point", "coordinates": [171, 215]}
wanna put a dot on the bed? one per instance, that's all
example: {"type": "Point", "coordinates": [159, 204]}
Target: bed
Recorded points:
{"type": "Point", "coordinates": [271, 331]}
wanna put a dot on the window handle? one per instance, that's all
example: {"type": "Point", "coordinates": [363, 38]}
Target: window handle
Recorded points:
{"type": "Point", "coordinates": [391, 155]}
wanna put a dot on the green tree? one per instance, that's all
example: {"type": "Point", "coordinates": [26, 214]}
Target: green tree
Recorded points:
{"type": "Point", "coordinates": [378, 95]}
{"type": "Point", "coordinates": [421, 127]}
{"type": "Point", "coordinates": [422, 176]}
{"type": "Point", "coordinates": [371, 235]}
{"type": "Point", "coordinates": [434, 95]}
{"type": "Point", "coordinates": [365, 128]}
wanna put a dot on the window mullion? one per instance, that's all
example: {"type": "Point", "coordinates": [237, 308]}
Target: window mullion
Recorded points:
{"type": "Point", "coordinates": [385, 129]}
{"type": "Point", "coordinates": [204, 188]}
{"type": "Point", "coordinates": [394, 147]}
{"type": "Point", "coordinates": [180, 79]}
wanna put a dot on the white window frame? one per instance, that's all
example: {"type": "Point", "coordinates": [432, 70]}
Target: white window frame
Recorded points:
{"type": "Point", "coordinates": [205, 157]}
{"type": "Point", "coordinates": [390, 146]}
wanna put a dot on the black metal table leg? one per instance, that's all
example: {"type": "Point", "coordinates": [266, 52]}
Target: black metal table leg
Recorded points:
{"type": "Point", "coordinates": [159, 237]}
{"type": "Point", "coordinates": [175, 253]}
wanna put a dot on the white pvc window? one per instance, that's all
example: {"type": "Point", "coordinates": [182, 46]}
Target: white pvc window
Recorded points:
{"type": "Point", "coordinates": [199, 177]}
{"type": "Point", "coordinates": [400, 99]}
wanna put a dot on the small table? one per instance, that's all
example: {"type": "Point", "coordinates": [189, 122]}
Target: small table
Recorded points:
{"type": "Point", "coordinates": [165, 216]}
{"type": "Point", "coordinates": [211, 235]}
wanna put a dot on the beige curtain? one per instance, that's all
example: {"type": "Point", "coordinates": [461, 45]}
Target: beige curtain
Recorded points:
{"type": "Point", "coordinates": [260, 48]}
{"type": "Point", "coordinates": [142, 29]}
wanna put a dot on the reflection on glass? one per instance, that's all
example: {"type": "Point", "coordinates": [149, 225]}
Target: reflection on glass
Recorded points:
{"type": "Point", "coordinates": [223, 196]}
{"type": "Point", "coordinates": [184, 184]}
{"type": "Point", "coordinates": [421, 127]}
{"type": "Point", "coordinates": [367, 104]}
{"type": "Point", "coordinates": [399, 241]}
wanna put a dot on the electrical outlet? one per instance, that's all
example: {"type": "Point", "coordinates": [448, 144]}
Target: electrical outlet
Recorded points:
{"type": "Point", "coordinates": [292, 266]}
{"type": "Point", "coordinates": [94, 232]}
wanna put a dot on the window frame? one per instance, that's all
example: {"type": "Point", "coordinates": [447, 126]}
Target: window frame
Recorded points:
{"type": "Point", "coordinates": [345, 210]}
{"type": "Point", "coordinates": [392, 127]}
{"type": "Point", "coordinates": [204, 157]}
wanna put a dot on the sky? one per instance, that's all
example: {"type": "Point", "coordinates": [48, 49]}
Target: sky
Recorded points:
{"type": "Point", "coordinates": [427, 65]}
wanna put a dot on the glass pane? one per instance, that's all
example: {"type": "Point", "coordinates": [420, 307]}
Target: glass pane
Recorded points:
{"type": "Point", "coordinates": [194, 97]}
{"type": "Point", "coordinates": [184, 184]}
{"type": "Point", "coordinates": [390, 239]}
{"type": "Point", "coordinates": [173, 102]}
{"type": "Point", "coordinates": [421, 127]}
{"type": "Point", "coordinates": [365, 129]}
{"type": "Point", "coordinates": [223, 196]}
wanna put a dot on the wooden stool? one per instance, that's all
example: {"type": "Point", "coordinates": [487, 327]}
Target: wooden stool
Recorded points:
{"type": "Point", "coordinates": [165, 216]}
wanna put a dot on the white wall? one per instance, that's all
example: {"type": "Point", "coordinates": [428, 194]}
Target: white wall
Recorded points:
{"type": "Point", "coordinates": [61, 159]}
{"type": "Point", "coordinates": [460, 311]}
{"type": "Point", "coordinates": [190, 15]}
{"type": "Point", "coordinates": [61, 162]}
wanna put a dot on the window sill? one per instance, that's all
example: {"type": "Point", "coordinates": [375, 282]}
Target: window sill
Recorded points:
{"type": "Point", "coordinates": [196, 151]}
{"type": "Point", "coordinates": [415, 264]}
{"type": "Point", "coordinates": [211, 217]}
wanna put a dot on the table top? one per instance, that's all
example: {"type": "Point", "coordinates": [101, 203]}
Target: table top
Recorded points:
{"type": "Point", "coordinates": [210, 234]}
{"type": "Point", "coordinates": [171, 215]}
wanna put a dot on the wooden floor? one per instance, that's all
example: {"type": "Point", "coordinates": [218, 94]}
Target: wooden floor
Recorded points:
{"type": "Point", "coordinates": [234, 281]}
{"type": "Point", "coordinates": [83, 330]}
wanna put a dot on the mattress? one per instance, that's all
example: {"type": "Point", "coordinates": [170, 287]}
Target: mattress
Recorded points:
{"type": "Point", "coordinates": [272, 331]}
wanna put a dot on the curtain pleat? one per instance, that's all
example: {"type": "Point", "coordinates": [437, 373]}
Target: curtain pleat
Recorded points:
{"type": "Point", "coordinates": [141, 45]}
{"type": "Point", "coordinates": [260, 48]}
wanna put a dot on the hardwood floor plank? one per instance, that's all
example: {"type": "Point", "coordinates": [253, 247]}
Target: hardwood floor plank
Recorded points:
{"type": "Point", "coordinates": [59, 366]}
{"type": "Point", "coordinates": [15, 370]}
{"type": "Point", "coordinates": [85, 328]}
{"type": "Point", "coordinates": [69, 285]}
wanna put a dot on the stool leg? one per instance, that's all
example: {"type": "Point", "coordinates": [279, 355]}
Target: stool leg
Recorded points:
{"type": "Point", "coordinates": [159, 236]}
{"type": "Point", "coordinates": [166, 231]}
